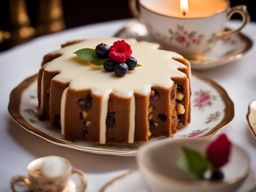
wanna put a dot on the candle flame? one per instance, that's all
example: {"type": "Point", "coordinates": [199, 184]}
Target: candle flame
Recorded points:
{"type": "Point", "coordinates": [184, 7]}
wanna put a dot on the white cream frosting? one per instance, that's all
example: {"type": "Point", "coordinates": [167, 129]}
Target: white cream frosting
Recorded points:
{"type": "Point", "coordinates": [132, 121]}
{"type": "Point", "coordinates": [103, 116]}
{"type": "Point", "coordinates": [157, 69]}
{"type": "Point", "coordinates": [62, 110]}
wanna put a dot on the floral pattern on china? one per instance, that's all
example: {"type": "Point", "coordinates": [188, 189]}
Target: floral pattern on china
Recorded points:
{"type": "Point", "coordinates": [184, 37]}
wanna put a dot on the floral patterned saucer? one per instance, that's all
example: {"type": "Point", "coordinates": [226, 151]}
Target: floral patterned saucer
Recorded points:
{"type": "Point", "coordinates": [226, 50]}
{"type": "Point", "coordinates": [212, 110]}
{"type": "Point", "coordinates": [133, 181]}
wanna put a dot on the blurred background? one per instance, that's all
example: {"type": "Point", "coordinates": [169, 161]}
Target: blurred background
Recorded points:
{"type": "Point", "coordinates": [21, 20]}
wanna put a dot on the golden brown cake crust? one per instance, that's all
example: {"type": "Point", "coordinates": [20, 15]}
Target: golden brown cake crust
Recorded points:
{"type": "Point", "coordinates": [56, 90]}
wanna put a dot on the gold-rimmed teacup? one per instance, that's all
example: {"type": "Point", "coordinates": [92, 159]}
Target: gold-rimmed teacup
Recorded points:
{"type": "Point", "coordinates": [50, 173]}
{"type": "Point", "coordinates": [189, 35]}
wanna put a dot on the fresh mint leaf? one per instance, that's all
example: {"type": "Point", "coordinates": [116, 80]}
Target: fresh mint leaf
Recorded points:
{"type": "Point", "coordinates": [97, 61]}
{"type": "Point", "coordinates": [196, 163]}
{"type": "Point", "coordinates": [88, 54]}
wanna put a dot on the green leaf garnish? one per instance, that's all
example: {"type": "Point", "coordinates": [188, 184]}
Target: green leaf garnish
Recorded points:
{"type": "Point", "coordinates": [88, 54]}
{"type": "Point", "coordinates": [195, 162]}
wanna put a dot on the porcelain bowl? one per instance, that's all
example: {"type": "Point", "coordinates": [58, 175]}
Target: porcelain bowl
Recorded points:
{"type": "Point", "coordinates": [157, 162]}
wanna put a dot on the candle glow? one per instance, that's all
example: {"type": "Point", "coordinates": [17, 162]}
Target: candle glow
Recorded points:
{"type": "Point", "coordinates": [184, 6]}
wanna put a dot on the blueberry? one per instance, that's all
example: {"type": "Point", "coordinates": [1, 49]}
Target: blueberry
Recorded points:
{"type": "Point", "coordinates": [154, 96]}
{"type": "Point", "coordinates": [121, 69]}
{"type": "Point", "coordinates": [180, 88]}
{"type": "Point", "coordinates": [162, 117]}
{"type": "Point", "coordinates": [151, 124]}
{"type": "Point", "coordinates": [131, 62]}
{"type": "Point", "coordinates": [110, 121]}
{"type": "Point", "coordinates": [172, 94]}
{"type": "Point", "coordinates": [102, 50]}
{"type": "Point", "coordinates": [85, 103]}
{"type": "Point", "coordinates": [57, 119]}
{"type": "Point", "coordinates": [109, 65]}
{"type": "Point", "coordinates": [181, 118]}
{"type": "Point", "coordinates": [217, 175]}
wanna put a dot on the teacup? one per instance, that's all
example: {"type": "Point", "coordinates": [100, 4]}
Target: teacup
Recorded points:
{"type": "Point", "coordinates": [192, 34]}
{"type": "Point", "coordinates": [50, 173]}
{"type": "Point", "coordinates": [158, 163]}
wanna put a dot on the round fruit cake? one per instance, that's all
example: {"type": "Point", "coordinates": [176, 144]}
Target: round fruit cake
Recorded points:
{"type": "Point", "coordinates": [114, 91]}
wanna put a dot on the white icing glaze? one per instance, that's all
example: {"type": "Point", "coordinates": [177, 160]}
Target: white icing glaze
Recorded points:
{"type": "Point", "coordinates": [62, 110]}
{"type": "Point", "coordinates": [157, 69]}
{"type": "Point", "coordinates": [132, 121]}
{"type": "Point", "coordinates": [41, 107]}
{"type": "Point", "coordinates": [103, 116]}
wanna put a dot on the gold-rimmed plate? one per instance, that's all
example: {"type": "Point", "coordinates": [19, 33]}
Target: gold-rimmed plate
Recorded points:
{"type": "Point", "coordinates": [226, 50]}
{"type": "Point", "coordinates": [212, 110]}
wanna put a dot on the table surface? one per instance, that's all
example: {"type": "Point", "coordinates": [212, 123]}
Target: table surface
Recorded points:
{"type": "Point", "coordinates": [18, 147]}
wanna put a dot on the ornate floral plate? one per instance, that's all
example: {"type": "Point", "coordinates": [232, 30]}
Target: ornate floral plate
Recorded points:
{"type": "Point", "coordinates": [133, 181]}
{"type": "Point", "coordinates": [212, 110]}
{"type": "Point", "coordinates": [226, 50]}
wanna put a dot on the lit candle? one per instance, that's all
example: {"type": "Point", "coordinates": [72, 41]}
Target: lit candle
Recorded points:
{"type": "Point", "coordinates": [184, 7]}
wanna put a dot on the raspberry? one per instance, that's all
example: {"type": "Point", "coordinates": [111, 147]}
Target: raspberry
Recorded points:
{"type": "Point", "coordinates": [120, 51]}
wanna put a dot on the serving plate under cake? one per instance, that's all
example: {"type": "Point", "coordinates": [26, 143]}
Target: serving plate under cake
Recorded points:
{"type": "Point", "coordinates": [212, 110]}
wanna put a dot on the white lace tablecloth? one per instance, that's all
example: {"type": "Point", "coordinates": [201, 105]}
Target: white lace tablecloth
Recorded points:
{"type": "Point", "coordinates": [18, 147]}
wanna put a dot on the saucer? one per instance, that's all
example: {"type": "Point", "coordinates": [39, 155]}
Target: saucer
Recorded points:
{"type": "Point", "coordinates": [212, 110]}
{"type": "Point", "coordinates": [251, 117]}
{"type": "Point", "coordinates": [133, 181]}
{"type": "Point", "coordinates": [226, 50]}
{"type": "Point", "coordinates": [73, 185]}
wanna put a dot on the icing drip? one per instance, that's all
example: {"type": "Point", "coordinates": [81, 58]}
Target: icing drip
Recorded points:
{"type": "Point", "coordinates": [103, 117]}
{"type": "Point", "coordinates": [132, 121]}
{"type": "Point", "coordinates": [62, 110]}
{"type": "Point", "coordinates": [41, 107]}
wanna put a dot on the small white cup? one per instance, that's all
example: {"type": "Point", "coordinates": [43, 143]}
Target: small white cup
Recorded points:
{"type": "Point", "coordinates": [50, 173]}
{"type": "Point", "coordinates": [188, 36]}
{"type": "Point", "coordinates": [158, 164]}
